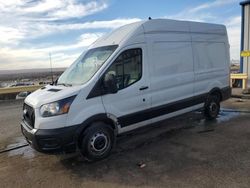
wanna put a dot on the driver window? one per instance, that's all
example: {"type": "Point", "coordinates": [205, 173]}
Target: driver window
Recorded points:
{"type": "Point", "coordinates": [127, 68]}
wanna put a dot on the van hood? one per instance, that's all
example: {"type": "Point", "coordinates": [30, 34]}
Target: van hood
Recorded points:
{"type": "Point", "coordinates": [49, 93]}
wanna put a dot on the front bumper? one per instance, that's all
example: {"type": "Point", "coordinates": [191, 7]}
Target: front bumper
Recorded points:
{"type": "Point", "coordinates": [50, 140]}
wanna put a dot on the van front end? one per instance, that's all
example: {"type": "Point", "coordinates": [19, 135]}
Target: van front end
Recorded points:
{"type": "Point", "coordinates": [55, 116]}
{"type": "Point", "coordinates": [50, 140]}
{"type": "Point", "coordinates": [45, 123]}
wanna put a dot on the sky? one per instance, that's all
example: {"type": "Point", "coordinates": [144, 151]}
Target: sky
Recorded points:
{"type": "Point", "coordinates": [30, 30]}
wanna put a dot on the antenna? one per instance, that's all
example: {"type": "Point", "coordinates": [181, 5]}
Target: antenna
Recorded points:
{"type": "Point", "coordinates": [51, 72]}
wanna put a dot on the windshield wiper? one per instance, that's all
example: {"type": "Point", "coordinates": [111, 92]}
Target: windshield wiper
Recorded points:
{"type": "Point", "coordinates": [64, 84]}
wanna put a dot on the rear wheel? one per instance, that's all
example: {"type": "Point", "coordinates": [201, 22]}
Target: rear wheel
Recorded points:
{"type": "Point", "coordinates": [212, 107]}
{"type": "Point", "coordinates": [97, 141]}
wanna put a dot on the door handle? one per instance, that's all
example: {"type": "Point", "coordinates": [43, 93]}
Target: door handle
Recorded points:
{"type": "Point", "coordinates": [144, 87]}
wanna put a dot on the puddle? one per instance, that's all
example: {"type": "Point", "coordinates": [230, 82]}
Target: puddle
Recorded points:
{"type": "Point", "coordinates": [224, 116]}
{"type": "Point", "coordinates": [26, 152]}
{"type": "Point", "coordinates": [227, 114]}
{"type": "Point", "coordinates": [19, 147]}
{"type": "Point", "coordinates": [19, 141]}
{"type": "Point", "coordinates": [201, 125]}
{"type": "Point", "coordinates": [15, 143]}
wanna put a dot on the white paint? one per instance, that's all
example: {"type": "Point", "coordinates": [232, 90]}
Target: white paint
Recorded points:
{"type": "Point", "coordinates": [180, 60]}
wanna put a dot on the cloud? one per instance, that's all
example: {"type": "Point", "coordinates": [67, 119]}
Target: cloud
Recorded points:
{"type": "Point", "coordinates": [14, 55]}
{"type": "Point", "coordinates": [213, 4]}
{"type": "Point", "coordinates": [50, 10]}
{"type": "Point", "coordinates": [74, 10]}
{"type": "Point", "coordinates": [233, 25]}
{"type": "Point", "coordinates": [201, 12]}
{"type": "Point", "coordinates": [106, 24]}
{"type": "Point", "coordinates": [10, 35]}
{"type": "Point", "coordinates": [63, 55]}
{"type": "Point", "coordinates": [36, 20]}
{"type": "Point", "coordinates": [23, 21]}
{"type": "Point", "coordinates": [234, 21]}
{"type": "Point", "coordinates": [43, 6]}
{"type": "Point", "coordinates": [84, 40]}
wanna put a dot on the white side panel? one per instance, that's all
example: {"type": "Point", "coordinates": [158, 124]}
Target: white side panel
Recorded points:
{"type": "Point", "coordinates": [84, 109]}
{"type": "Point", "coordinates": [171, 70]}
{"type": "Point", "coordinates": [208, 38]}
{"type": "Point", "coordinates": [211, 66]}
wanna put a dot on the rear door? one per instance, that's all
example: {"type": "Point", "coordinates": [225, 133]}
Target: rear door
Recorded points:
{"type": "Point", "coordinates": [131, 73]}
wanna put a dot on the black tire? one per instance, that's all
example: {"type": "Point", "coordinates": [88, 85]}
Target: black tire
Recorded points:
{"type": "Point", "coordinates": [97, 141]}
{"type": "Point", "coordinates": [212, 107]}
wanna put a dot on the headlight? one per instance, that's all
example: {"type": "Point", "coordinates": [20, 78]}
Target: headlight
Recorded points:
{"type": "Point", "coordinates": [56, 108]}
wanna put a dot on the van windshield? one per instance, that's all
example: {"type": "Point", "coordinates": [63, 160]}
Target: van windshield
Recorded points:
{"type": "Point", "coordinates": [86, 66]}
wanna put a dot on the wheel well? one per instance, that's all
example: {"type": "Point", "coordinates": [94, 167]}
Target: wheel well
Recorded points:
{"type": "Point", "coordinates": [89, 122]}
{"type": "Point", "coordinates": [216, 91]}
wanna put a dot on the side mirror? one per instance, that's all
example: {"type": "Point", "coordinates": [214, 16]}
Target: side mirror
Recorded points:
{"type": "Point", "coordinates": [110, 84]}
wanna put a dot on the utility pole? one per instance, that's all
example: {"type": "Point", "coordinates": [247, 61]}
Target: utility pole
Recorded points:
{"type": "Point", "coordinates": [51, 68]}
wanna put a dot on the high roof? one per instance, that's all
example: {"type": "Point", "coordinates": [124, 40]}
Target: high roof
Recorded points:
{"type": "Point", "coordinates": [130, 31]}
{"type": "Point", "coordinates": [118, 35]}
{"type": "Point", "coordinates": [167, 25]}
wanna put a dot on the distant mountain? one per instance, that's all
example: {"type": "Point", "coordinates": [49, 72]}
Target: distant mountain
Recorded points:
{"type": "Point", "coordinates": [23, 71]}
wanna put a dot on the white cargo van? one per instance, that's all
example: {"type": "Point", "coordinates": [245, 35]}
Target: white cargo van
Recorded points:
{"type": "Point", "coordinates": [137, 75]}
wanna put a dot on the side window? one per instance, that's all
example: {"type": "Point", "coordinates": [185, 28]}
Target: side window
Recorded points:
{"type": "Point", "coordinates": [127, 68]}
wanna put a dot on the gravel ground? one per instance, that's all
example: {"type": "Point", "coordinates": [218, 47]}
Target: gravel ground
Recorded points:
{"type": "Point", "coordinates": [181, 152]}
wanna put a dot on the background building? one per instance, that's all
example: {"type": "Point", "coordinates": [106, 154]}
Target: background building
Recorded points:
{"type": "Point", "coordinates": [245, 36]}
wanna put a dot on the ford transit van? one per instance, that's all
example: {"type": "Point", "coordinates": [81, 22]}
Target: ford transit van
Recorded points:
{"type": "Point", "coordinates": [137, 75]}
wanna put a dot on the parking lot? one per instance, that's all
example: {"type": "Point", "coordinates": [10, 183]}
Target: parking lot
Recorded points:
{"type": "Point", "coordinates": [187, 151]}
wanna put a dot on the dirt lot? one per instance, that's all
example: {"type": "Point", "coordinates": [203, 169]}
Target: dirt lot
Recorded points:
{"type": "Point", "coordinates": [183, 152]}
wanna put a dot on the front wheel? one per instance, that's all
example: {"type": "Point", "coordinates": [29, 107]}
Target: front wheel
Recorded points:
{"type": "Point", "coordinates": [97, 141]}
{"type": "Point", "coordinates": [212, 107]}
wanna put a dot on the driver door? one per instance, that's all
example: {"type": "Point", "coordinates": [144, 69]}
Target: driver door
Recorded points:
{"type": "Point", "coordinates": [133, 97]}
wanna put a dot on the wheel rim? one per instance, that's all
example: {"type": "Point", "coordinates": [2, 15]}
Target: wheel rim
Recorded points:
{"type": "Point", "coordinates": [213, 109]}
{"type": "Point", "coordinates": [99, 143]}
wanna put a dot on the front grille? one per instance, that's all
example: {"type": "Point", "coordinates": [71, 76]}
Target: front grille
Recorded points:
{"type": "Point", "coordinates": [29, 115]}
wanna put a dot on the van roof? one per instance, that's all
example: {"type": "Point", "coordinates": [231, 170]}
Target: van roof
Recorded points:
{"type": "Point", "coordinates": [119, 35]}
